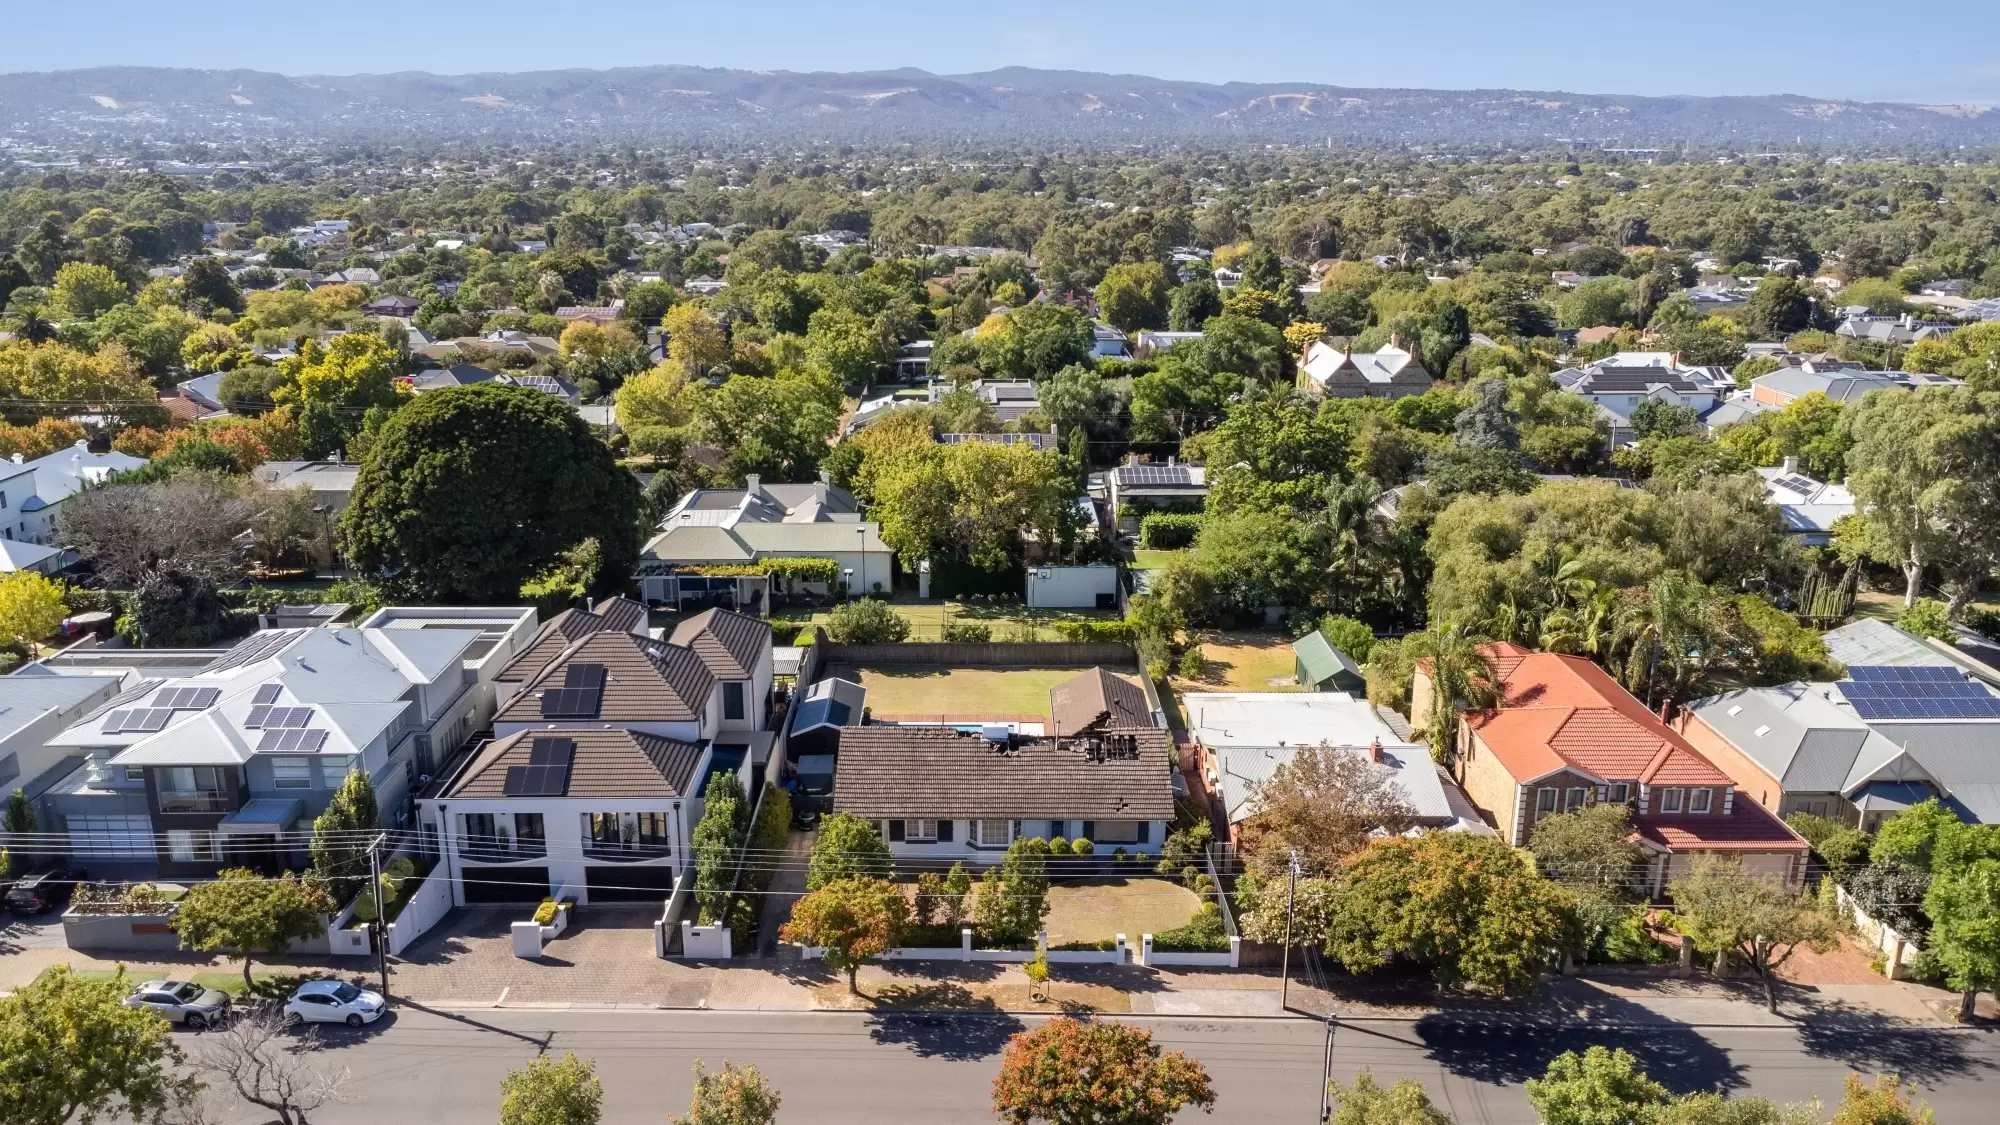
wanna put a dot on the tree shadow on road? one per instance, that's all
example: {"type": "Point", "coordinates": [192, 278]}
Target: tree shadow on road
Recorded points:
{"type": "Point", "coordinates": [1873, 1042]}
{"type": "Point", "coordinates": [1512, 1046]}
{"type": "Point", "coordinates": [935, 1035]}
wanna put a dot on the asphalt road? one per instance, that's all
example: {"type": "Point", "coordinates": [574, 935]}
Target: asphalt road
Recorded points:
{"type": "Point", "coordinates": [444, 1068]}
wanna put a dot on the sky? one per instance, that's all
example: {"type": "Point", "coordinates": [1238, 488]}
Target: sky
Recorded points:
{"type": "Point", "coordinates": [1946, 51]}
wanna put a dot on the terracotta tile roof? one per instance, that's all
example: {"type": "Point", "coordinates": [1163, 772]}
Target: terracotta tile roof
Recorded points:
{"type": "Point", "coordinates": [645, 681]}
{"type": "Point", "coordinates": [1565, 711]}
{"type": "Point", "coordinates": [731, 644]}
{"type": "Point", "coordinates": [892, 771]}
{"type": "Point", "coordinates": [1748, 826]}
{"type": "Point", "coordinates": [1097, 698]}
{"type": "Point", "coordinates": [606, 763]}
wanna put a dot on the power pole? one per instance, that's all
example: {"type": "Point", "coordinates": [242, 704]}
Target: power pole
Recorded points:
{"type": "Point", "coordinates": [381, 920]}
{"type": "Point", "coordinates": [1291, 899]}
{"type": "Point", "coordinates": [1326, 1075]}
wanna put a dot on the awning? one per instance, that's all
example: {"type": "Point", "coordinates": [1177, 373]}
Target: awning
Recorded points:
{"type": "Point", "coordinates": [265, 816]}
{"type": "Point", "coordinates": [1890, 796]}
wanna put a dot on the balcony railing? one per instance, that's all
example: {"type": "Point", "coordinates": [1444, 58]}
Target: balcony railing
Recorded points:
{"type": "Point", "coordinates": [198, 801]}
{"type": "Point", "coordinates": [620, 852]}
{"type": "Point", "coordinates": [500, 849]}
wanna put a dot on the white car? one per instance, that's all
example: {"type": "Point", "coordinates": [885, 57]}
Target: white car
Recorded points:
{"type": "Point", "coordinates": [334, 1001]}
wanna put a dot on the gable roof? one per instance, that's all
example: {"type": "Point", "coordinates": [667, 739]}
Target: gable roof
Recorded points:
{"type": "Point", "coordinates": [924, 771]}
{"type": "Point", "coordinates": [1558, 711]}
{"type": "Point", "coordinates": [645, 681]}
{"type": "Point", "coordinates": [1389, 365]}
{"type": "Point", "coordinates": [1321, 660]}
{"type": "Point", "coordinates": [731, 644]}
{"type": "Point", "coordinates": [570, 626]}
{"type": "Point", "coordinates": [1097, 699]}
{"type": "Point", "coordinates": [605, 763]}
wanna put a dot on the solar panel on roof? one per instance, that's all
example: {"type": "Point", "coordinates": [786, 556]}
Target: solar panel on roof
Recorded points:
{"type": "Point", "coordinates": [536, 781]}
{"type": "Point", "coordinates": [258, 717]}
{"type": "Point", "coordinates": [268, 693]}
{"type": "Point", "coordinates": [148, 719]}
{"type": "Point", "coordinates": [115, 721]}
{"type": "Point", "coordinates": [289, 717]}
{"type": "Point", "coordinates": [291, 742]}
{"type": "Point", "coordinates": [569, 703]}
{"type": "Point", "coordinates": [583, 676]}
{"type": "Point", "coordinates": [552, 752]}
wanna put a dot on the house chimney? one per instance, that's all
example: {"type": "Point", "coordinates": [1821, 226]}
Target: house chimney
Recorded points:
{"type": "Point", "coordinates": [1375, 750]}
{"type": "Point", "coordinates": [754, 485]}
{"type": "Point", "coordinates": [16, 458]}
{"type": "Point", "coordinates": [1791, 466]}
{"type": "Point", "coordinates": [825, 477]}
{"type": "Point", "coordinates": [1170, 460]}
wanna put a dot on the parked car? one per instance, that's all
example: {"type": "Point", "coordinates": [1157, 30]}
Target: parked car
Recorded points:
{"type": "Point", "coordinates": [179, 1001]}
{"type": "Point", "coordinates": [39, 892]}
{"type": "Point", "coordinates": [334, 1001]}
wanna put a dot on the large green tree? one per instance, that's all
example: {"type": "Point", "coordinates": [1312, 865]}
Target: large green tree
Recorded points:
{"type": "Point", "coordinates": [846, 847]}
{"type": "Point", "coordinates": [468, 491]}
{"type": "Point", "coordinates": [1134, 296]}
{"type": "Point", "coordinates": [247, 914]}
{"type": "Point", "coordinates": [1752, 919]}
{"type": "Point", "coordinates": [1926, 469]}
{"type": "Point", "coordinates": [1598, 1087]}
{"type": "Point", "coordinates": [549, 1091]}
{"type": "Point", "coordinates": [71, 1051]}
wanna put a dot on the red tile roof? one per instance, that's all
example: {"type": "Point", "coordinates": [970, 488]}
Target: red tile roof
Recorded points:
{"type": "Point", "coordinates": [1747, 827]}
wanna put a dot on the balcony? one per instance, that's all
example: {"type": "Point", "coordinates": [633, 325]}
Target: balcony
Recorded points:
{"type": "Point", "coordinates": [612, 851]}
{"type": "Point", "coordinates": [500, 849]}
{"type": "Point", "coordinates": [196, 801]}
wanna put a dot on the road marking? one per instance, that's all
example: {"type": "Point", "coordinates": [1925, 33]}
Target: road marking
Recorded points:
{"type": "Point", "coordinates": [503, 996]}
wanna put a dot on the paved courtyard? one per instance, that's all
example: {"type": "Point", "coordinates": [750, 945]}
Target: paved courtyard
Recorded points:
{"type": "Point", "coordinates": [605, 958]}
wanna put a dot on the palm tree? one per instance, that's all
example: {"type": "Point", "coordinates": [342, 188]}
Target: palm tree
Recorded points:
{"type": "Point", "coordinates": [1461, 680]}
{"type": "Point", "coordinates": [1663, 636]}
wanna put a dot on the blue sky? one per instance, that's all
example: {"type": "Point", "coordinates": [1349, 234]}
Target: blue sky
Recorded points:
{"type": "Point", "coordinates": [1944, 51]}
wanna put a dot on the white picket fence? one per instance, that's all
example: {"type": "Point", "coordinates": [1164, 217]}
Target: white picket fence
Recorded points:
{"type": "Point", "coordinates": [964, 951]}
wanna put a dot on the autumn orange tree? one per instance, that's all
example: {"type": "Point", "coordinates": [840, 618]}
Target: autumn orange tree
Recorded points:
{"type": "Point", "coordinates": [852, 919]}
{"type": "Point", "coordinates": [1067, 1072]}
{"type": "Point", "coordinates": [1325, 804]}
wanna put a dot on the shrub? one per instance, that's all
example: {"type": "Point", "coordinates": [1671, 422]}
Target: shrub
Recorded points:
{"type": "Point", "coordinates": [1349, 636]}
{"type": "Point", "coordinates": [1926, 618]}
{"type": "Point", "coordinates": [1838, 846]}
{"type": "Point", "coordinates": [866, 622]}
{"type": "Point", "coordinates": [1097, 632]}
{"type": "Point", "coordinates": [1203, 934]}
{"type": "Point", "coordinates": [1081, 846]}
{"type": "Point", "coordinates": [545, 914]}
{"type": "Point", "coordinates": [968, 633]}
{"type": "Point", "coordinates": [1193, 663]}
{"type": "Point", "coordinates": [1163, 531]}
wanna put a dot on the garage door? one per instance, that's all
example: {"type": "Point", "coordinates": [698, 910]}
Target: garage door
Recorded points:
{"type": "Point", "coordinates": [110, 837]}
{"type": "Point", "coordinates": [505, 884]}
{"type": "Point", "coordinates": [629, 884]}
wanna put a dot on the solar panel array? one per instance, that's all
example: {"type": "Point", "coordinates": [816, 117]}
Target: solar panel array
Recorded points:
{"type": "Point", "coordinates": [267, 693]}
{"type": "Point", "coordinates": [547, 771]}
{"type": "Point", "coordinates": [579, 697]}
{"type": "Point", "coordinates": [1797, 484]}
{"type": "Point", "coordinates": [269, 718]}
{"type": "Point", "coordinates": [186, 698]}
{"type": "Point", "coordinates": [255, 648]}
{"type": "Point", "coordinates": [292, 742]}
{"type": "Point", "coordinates": [1153, 475]}
{"type": "Point", "coordinates": [1896, 692]}
{"type": "Point", "coordinates": [138, 720]}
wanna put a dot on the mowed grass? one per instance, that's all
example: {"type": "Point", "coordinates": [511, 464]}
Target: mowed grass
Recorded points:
{"type": "Point", "coordinates": [1008, 622]}
{"type": "Point", "coordinates": [1100, 910]}
{"type": "Point", "coordinates": [1244, 661]}
{"type": "Point", "coordinates": [1145, 559]}
{"type": "Point", "coordinates": [922, 691]}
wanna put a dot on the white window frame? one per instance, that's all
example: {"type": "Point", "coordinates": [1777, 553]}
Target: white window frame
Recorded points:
{"type": "Point", "coordinates": [1108, 833]}
{"type": "Point", "coordinates": [1618, 792]}
{"type": "Point", "coordinates": [1670, 800]}
{"type": "Point", "coordinates": [1700, 800]}
{"type": "Point", "coordinates": [1577, 797]}
{"type": "Point", "coordinates": [920, 831]}
{"type": "Point", "coordinates": [984, 840]}
{"type": "Point", "coordinates": [333, 770]}
{"type": "Point", "coordinates": [292, 773]}
{"type": "Point", "coordinates": [1548, 799]}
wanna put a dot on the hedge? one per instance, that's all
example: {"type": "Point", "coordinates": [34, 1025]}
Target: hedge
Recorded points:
{"type": "Point", "coordinates": [1204, 934]}
{"type": "Point", "coordinates": [797, 569]}
{"type": "Point", "coordinates": [1097, 632]}
{"type": "Point", "coordinates": [1163, 531]}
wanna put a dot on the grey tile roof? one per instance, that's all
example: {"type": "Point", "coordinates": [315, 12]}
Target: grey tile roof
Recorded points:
{"type": "Point", "coordinates": [606, 763]}
{"type": "Point", "coordinates": [568, 627]}
{"type": "Point", "coordinates": [899, 771]}
{"type": "Point", "coordinates": [1097, 698]}
{"type": "Point", "coordinates": [645, 680]}
{"type": "Point", "coordinates": [731, 644]}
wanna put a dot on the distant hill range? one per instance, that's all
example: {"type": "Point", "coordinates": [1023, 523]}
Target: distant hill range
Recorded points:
{"type": "Point", "coordinates": [667, 103]}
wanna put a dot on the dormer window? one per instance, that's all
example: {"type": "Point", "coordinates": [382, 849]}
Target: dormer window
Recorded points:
{"type": "Point", "coordinates": [1698, 800]}
{"type": "Point", "coordinates": [1670, 800]}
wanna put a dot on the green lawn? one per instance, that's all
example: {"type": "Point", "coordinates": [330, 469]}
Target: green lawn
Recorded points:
{"type": "Point", "coordinates": [1153, 560]}
{"type": "Point", "coordinates": [928, 619]}
{"type": "Point", "coordinates": [912, 691]}
{"type": "Point", "coordinates": [1101, 909]}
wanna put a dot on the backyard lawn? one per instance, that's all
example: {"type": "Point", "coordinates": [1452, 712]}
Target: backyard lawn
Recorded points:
{"type": "Point", "coordinates": [1244, 661]}
{"type": "Point", "coordinates": [922, 691]}
{"type": "Point", "coordinates": [1102, 909]}
{"type": "Point", "coordinates": [1153, 560]}
{"type": "Point", "coordinates": [928, 619]}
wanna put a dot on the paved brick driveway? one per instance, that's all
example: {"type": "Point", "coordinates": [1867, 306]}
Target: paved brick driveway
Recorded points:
{"type": "Point", "coordinates": [606, 957]}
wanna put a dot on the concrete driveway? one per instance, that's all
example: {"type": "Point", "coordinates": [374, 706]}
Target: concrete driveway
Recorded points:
{"type": "Point", "coordinates": [604, 959]}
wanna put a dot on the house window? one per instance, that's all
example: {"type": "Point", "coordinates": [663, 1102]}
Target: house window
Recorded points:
{"type": "Point", "coordinates": [994, 833]}
{"type": "Point", "coordinates": [529, 835]}
{"type": "Point", "coordinates": [1545, 801]}
{"type": "Point", "coordinates": [191, 847]}
{"type": "Point", "coordinates": [602, 828]}
{"type": "Point", "coordinates": [920, 831]}
{"type": "Point", "coordinates": [1117, 832]}
{"type": "Point", "coordinates": [194, 789]}
{"type": "Point", "coordinates": [292, 773]}
{"type": "Point", "coordinates": [1058, 828]}
{"type": "Point", "coordinates": [1670, 800]}
{"type": "Point", "coordinates": [478, 831]}
{"type": "Point", "coordinates": [135, 773]}
{"type": "Point", "coordinates": [732, 699]}
{"type": "Point", "coordinates": [333, 771]}
{"type": "Point", "coordinates": [1576, 799]}
{"type": "Point", "coordinates": [1698, 800]}
{"type": "Point", "coordinates": [1618, 794]}
{"type": "Point", "coordinates": [652, 829]}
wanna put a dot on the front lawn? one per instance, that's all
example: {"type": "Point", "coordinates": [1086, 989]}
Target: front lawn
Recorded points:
{"type": "Point", "coordinates": [1101, 909]}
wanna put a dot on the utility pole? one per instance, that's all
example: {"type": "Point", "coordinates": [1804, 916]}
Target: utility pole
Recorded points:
{"type": "Point", "coordinates": [381, 920]}
{"type": "Point", "coordinates": [1326, 1074]}
{"type": "Point", "coordinates": [1291, 899]}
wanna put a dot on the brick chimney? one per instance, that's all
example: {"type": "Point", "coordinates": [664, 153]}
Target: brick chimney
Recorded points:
{"type": "Point", "coordinates": [1375, 750]}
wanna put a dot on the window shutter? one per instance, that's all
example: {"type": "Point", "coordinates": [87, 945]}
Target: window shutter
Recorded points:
{"type": "Point", "coordinates": [1089, 830]}
{"type": "Point", "coordinates": [1145, 830]}
{"type": "Point", "coordinates": [944, 831]}
{"type": "Point", "coordinates": [895, 831]}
